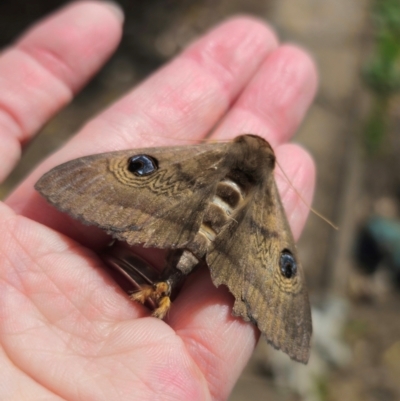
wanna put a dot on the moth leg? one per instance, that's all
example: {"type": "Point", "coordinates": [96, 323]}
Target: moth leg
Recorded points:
{"type": "Point", "coordinates": [173, 280]}
{"type": "Point", "coordinates": [159, 293]}
{"type": "Point", "coordinates": [163, 307]}
{"type": "Point", "coordinates": [143, 294]}
{"type": "Point", "coordinates": [179, 264]}
{"type": "Point", "coordinates": [155, 292]}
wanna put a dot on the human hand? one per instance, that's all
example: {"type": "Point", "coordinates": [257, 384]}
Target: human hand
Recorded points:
{"type": "Point", "coordinates": [67, 331]}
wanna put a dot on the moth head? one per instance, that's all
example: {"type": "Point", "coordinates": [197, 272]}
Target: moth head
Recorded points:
{"type": "Point", "coordinates": [142, 165]}
{"type": "Point", "coordinates": [287, 264]}
{"type": "Point", "coordinates": [253, 156]}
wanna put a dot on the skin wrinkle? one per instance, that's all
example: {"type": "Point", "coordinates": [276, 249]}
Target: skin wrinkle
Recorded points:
{"type": "Point", "coordinates": [95, 360]}
{"type": "Point", "coordinates": [197, 346]}
{"type": "Point", "coordinates": [12, 157]}
{"type": "Point", "coordinates": [34, 74]}
{"type": "Point", "coordinates": [157, 343]}
{"type": "Point", "coordinates": [65, 398]}
{"type": "Point", "coordinates": [74, 355]}
{"type": "Point", "coordinates": [207, 360]}
{"type": "Point", "coordinates": [138, 378]}
{"type": "Point", "coordinates": [189, 102]}
{"type": "Point", "coordinates": [297, 175]}
{"type": "Point", "coordinates": [48, 325]}
{"type": "Point", "coordinates": [295, 207]}
{"type": "Point", "coordinates": [171, 337]}
{"type": "Point", "coordinates": [213, 47]}
{"type": "Point", "coordinates": [224, 79]}
{"type": "Point", "coordinates": [243, 120]}
{"type": "Point", "coordinates": [19, 131]}
{"type": "Point", "coordinates": [30, 376]}
{"type": "Point", "coordinates": [100, 334]}
{"type": "Point", "coordinates": [13, 118]}
{"type": "Point", "coordinates": [117, 329]}
{"type": "Point", "coordinates": [296, 71]}
{"type": "Point", "coordinates": [8, 128]}
{"type": "Point", "coordinates": [37, 263]}
{"type": "Point", "coordinates": [200, 379]}
{"type": "Point", "coordinates": [152, 122]}
{"type": "Point", "coordinates": [12, 234]}
{"type": "Point", "coordinates": [31, 47]}
{"type": "Point", "coordinates": [26, 377]}
{"type": "Point", "coordinates": [170, 381]}
{"type": "Point", "coordinates": [32, 51]}
{"type": "Point", "coordinates": [225, 67]}
{"type": "Point", "coordinates": [279, 74]}
{"type": "Point", "coordinates": [75, 29]}
{"type": "Point", "coordinates": [243, 355]}
{"type": "Point", "coordinates": [149, 122]}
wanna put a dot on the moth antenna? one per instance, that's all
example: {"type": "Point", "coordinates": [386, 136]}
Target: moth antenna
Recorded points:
{"type": "Point", "coordinates": [304, 201]}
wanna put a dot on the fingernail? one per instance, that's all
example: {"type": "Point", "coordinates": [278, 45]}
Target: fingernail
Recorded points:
{"type": "Point", "coordinates": [116, 9]}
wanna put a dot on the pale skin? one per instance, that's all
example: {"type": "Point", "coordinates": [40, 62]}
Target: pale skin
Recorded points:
{"type": "Point", "coordinates": [67, 331]}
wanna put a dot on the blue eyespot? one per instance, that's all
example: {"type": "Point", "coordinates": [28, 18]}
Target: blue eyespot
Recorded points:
{"type": "Point", "coordinates": [288, 264]}
{"type": "Point", "coordinates": [142, 165]}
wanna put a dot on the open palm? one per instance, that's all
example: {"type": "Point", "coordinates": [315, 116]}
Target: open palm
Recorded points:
{"type": "Point", "coordinates": [67, 331]}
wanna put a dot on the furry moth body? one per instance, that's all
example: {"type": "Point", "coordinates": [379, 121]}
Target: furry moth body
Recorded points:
{"type": "Point", "coordinates": [213, 202]}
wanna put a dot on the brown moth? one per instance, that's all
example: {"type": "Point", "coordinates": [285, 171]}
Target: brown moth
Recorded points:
{"type": "Point", "coordinates": [216, 203]}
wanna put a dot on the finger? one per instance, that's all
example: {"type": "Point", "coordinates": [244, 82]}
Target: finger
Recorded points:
{"type": "Point", "coordinates": [295, 178]}
{"type": "Point", "coordinates": [276, 99]}
{"type": "Point", "coordinates": [184, 99]}
{"type": "Point", "coordinates": [219, 343]}
{"type": "Point", "coordinates": [42, 71]}
{"type": "Point", "coordinates": [273, 105]}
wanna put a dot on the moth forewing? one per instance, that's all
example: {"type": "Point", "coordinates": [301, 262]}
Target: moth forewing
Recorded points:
{"type": "Point", "coordinates": [215, 202]}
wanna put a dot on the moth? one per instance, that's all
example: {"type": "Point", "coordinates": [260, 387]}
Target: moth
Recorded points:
{"type": "Point", "coordinates": [215, 202]}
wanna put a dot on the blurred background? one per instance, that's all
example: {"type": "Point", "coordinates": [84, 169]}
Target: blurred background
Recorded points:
{"type": "Point", "coordinates": [352, 132]}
